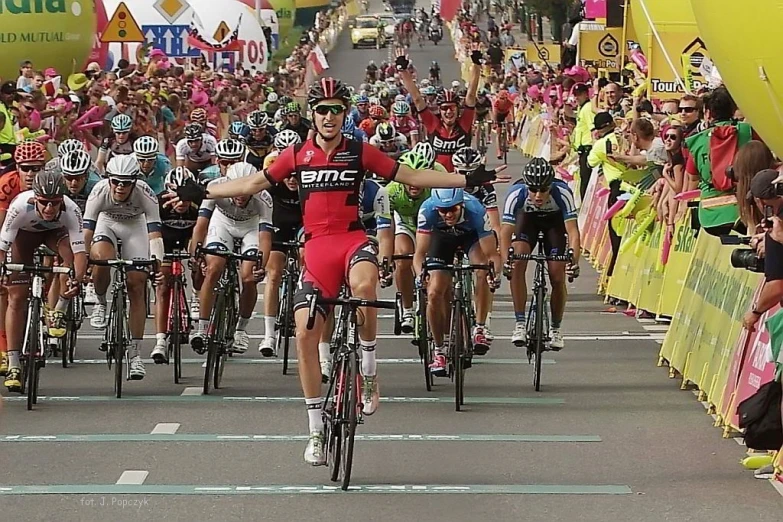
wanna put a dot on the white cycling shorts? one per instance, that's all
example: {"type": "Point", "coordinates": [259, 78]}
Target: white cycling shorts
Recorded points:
{"type": "Point", "coordinates": [223, 232]}
{"type": "Point", "coordinates": [132, 233]}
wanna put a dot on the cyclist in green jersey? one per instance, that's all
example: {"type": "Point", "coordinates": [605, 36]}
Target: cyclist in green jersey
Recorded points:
{"type": "Point", "coordinates": [405, 201]}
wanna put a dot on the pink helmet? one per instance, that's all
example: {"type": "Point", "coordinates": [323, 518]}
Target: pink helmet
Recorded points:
{"type": "Point", "coordinates": [578, 73]}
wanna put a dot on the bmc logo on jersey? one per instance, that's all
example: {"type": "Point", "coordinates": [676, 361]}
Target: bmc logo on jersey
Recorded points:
{"type": "Point", "coordinates": [448, 146]}
{"type": "Point", "coordinates": [311, 177]}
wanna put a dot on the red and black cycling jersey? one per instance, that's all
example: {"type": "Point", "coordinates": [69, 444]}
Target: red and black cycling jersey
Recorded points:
{"type": "Point", "coordinates": [329, 186]}
{"type": "Point", "coordinates": [446, 142]}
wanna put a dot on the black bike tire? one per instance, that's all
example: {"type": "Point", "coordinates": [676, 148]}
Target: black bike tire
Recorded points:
{"type": "Point", "coordinates": [228, 336]}
{"type": "Point", "coordinates": [286, 322]}
{"type": "Point", "coordinates": [457, 355]}
{"type": "Point", "coordinates": [118, 345]}
{"type": "Point", "coordinates": [425, 353]}
{"type": "Point", "coordinates": [349, 426]}
{"type": "Point", "coordinates": [212, 340]}
{"type": "Point", "coordinates": [539, 336]}
{"type": "Point", "coordinates": [334, 420]}
{"type": "Point", "coordinates": [175, 340]}
{"type": "Point", "coordinates": [64, 342]}
{"type": "Point", "coordinates": [32, 341]}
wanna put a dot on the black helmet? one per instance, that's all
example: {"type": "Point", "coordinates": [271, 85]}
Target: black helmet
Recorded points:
{"type": "Point", "coordinates": [538, 173]}
{"type": "Point", "coordinates": [49, 184]}
{"type": "Point", "coordinates": [328, 88]}
{"type": "Point", "coordinates": [193, 131]}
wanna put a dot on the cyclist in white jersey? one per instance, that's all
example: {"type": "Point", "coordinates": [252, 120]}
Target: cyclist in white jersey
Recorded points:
{"type": "Point", "coordinates": [123, 208]}
{"type": "Point", "coordinates": [37, 217]}
{"type": "Point", "coordinates": [221, 222]}
{"type": "Point", "coordinates": [196, 150]}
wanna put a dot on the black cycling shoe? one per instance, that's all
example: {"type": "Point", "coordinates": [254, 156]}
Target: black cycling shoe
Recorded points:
{"type": "Point", "coordinates": [199, 344]}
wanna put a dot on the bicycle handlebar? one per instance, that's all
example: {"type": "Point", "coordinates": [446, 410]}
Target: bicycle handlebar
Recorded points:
{"type": "Point", "coordinates": [34, 269]}
{"type": "Point", "coordinates": [228, 255]}
{"type": "Point", "coordinates": [288, 244]}
{"type": "Point", "coordinates": [176, 256]}
{"type": "Point", "coordinates": [123, 262]}
{"type": "Point", "coordinates": [315, 299]}
{"type": "Point", "coordinates": [539, 257]}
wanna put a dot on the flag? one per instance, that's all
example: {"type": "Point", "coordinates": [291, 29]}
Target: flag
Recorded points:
{"type": "Point", "coordinates": [51, 87]}
{"type": "Point", "coordinates": [197, 39]}
{"type": "Point", "coordinates": [775, 328]}
{"type": "Point", "coordinates": [318, 60]}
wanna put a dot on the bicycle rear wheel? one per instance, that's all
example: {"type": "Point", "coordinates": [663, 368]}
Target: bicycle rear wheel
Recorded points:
{"type": "Point", "coordinates": [457, 353]}
{"type": "Point", "coordinates": [425, 353]}
{"type": "Point", "coordinates": [351, 405]}
{"type": "Point", "coordinates": [283, 334]}
{"type": "Point", "coordinates": [214, 338]}
{"type": "Point", "coordinates": [117, 342]}
{"type": "Point", "coordinates": [31, 344]}
{"type": "Point", "coordinates": [175, 335]}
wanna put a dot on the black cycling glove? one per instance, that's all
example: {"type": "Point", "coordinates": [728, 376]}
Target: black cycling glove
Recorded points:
{"type": "Point", "coordinates": [480, 176]}
{"type": "Point", "coordinates": [476, 57]}
{"type": "Point", "coordinates": [193, 191]}
{"type": "Point", "coordinates": [402, 62]}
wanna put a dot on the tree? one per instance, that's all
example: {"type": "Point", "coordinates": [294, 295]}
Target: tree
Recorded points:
{"type": "Point", "coordinates": [556, 10]}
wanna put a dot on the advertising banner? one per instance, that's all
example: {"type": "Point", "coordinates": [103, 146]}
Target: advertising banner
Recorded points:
{"type": "Point", "coordinates": [601, 49]}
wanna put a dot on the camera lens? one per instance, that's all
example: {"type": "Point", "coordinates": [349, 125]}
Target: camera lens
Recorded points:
{"type": "Point", "coordinates": [746, 258]}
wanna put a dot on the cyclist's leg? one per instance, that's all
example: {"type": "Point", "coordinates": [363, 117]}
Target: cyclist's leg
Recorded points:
{"type": "Point", "coordinates": [162, 303]}
{"type": "Point", "coordinates": [249, 293]}
{"type": "Point", "coordinates": [104, 247]}
{"type": "Point", "coordinates": [556, 244]}
{"type": "Point", "coordinates": [483, 296]}
{"type": "Point", "coordinates": [274, 278]}
{"type": "Point", "coordinates": [16, 315]}
{"type": "Point", "coordinates": [404, 243]}
{"type": "Point", "coordinates": [441, 252]}
{"type": "Point", "coordinates": [219, 237]}
{"type": "Point", "coordinates": [57, 241]}
{"type": "Point", "coordinates": [523, 241]}
{"type": "Point", "coordinates": [135, 245]}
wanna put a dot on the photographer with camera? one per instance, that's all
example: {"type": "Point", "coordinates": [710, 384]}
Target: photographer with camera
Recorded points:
{"type": "Point", "coordinates": [767, 198]}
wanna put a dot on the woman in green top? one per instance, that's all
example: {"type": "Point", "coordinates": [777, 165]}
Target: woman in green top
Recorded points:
{"type": "Point", "coordinates": [405, 201]}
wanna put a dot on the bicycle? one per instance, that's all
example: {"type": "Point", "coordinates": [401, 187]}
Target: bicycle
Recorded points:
{"type": "Point", "coordinates": [34, 347]}
{"type": "Point", "coordinates": [74, 317]}
{"type": "Point", "coordinates": [117, 335]}
{"type": "Point", "coordinates": [459, 353]}
{"type": "Point", "coordinates": [342, 410]}
{"type": "Point", "coordinates": [481, 136]}
{"type": "Point", "coordinates": [503, 140]}
{"type": "Point", "coordinates": [223, 317]}
{"type": "Point", "coordinates": [538, 315]}
{"type": "Point", "coordinates": [284, 324]}
{"type": "Point", "coordinates": [179, 323]}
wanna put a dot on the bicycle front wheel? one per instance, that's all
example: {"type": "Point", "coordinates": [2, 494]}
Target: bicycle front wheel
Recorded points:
{"type": "Point", "coordinates": [333, 416]}
{"type": "Point", "coordinates": [424, 342]}
{"type": "Point", "coordinates": [175, 336]}
{"type": "Point", "coordinates": [351, 404]}
{"type": "Point", "coordinates": [457, 341]}
{"type": "Point", "coordinates": [117, 341]}
{"type": "Point", "coordinates": [31, 345]}
{"type": "Point", "coordinates": [539, 333]}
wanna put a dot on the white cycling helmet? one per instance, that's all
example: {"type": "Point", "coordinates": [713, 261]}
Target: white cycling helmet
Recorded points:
{"type": "Point", "coordinates": [123, 166]}
{"type": "Point", "coordinates": [456, 84]}
{"type": "Point", "coordinates": [145, 147]}
{"type": "Point", "coordinates": [178, 176]}
{"type": "Point", "coordinates": [121, 123]}
{"type": "Point", "coordinates": [467, 159]}
{"type": "Point", "coordinates": [75, 163]}
{"type": "Point", "coordinates": [69, 145]}
{"type": "Point", "coordinates": [425, 150]}
{"type": "Point", "coordinates": [240, 170]}
{"type": "Point", "coordinates": [230, 149]}
{"type": "Point", "coordinates": [286, 138]}
{"type": "Point", "coordinates": [272, 97]}
{"type": "Point", "coordinates": [257, 119]}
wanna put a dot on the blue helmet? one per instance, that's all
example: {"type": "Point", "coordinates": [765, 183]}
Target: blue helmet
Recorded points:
{"type": "Point", "coordinates": [238, 130]}
{"type": "Point", "coordinates": [447, 197]}
{"type": "Point", "coordinates": [349, 126]}
{"type": "Point", "coordinates": [363, 99]}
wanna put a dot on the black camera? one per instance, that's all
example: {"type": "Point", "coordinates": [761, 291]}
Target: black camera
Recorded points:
{"type": "Point", "coordinates": [746, 258]}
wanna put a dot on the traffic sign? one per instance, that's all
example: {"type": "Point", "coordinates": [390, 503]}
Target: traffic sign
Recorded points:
{"type": "Point", "coordinates": [171, 10]}
{"type": "Point", "coordinates": [122, 27]}
{"type": "Point", "coordinates": [222, 32]}
{"type": "Point", "coordinates": [171, 39]}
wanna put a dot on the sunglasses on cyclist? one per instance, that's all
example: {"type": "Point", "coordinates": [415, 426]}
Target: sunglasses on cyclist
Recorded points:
{"type": "Point", "coordinates": [121, 182]}
{"type": "Point", "coordinates": [449, 210]}
{"type": "Point", "coordinates": [227, 163]}
{"type": "Point", "coordinates": [117, 133]}
{"type": "Point", "coordinates": [323, 110]}
{"type": "Point", "coordinates": [670, 137]}
{"type": "Point", "coordinates": [446, 108]}
{"type": "Point", "coordinates": [538, 190]}
{"type": "Point", "coordinates": [75, 178]}
{"type": "Point", "coordinates": [193, 142]}
{"type": "Point", "coordinates": [47, 202]}
{"type": "Point", "coordinates": [31, 168]}
{"type": "Point", "coordinates": [687, 110]}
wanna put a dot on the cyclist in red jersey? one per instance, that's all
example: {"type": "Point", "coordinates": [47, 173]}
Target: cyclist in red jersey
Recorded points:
{"type": "Point", "coordinates": [503, 107]}
{"type": "Point", "coordinates": [451, 129]}
{"type": "Point", "coordinates": [330, 170]}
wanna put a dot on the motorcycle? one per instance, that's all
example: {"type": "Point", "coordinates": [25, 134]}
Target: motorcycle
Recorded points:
{"type": "Point", "coordinates": [436, 34]}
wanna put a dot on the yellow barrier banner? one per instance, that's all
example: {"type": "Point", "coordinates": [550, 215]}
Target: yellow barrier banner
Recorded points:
{"type": "Point", "coordinates": [601, 49]}
{"type": "Point", "coordinates": [652, 280]}
{"type": "Point", "coordinates": [626, 266]}
{"type": "Point", "coordinates": [676, 269]}
{"type": "Point", "coordinates": [541, 53]}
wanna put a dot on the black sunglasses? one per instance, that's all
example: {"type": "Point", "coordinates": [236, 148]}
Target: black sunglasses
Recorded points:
{"type": "Point", "coordinates": [323, 110]}
{"type": "Point", "coordinates": [688, 109]}
{"type": "Point", "coordinates": [227, 163]}
{"type": "Point", "coordinates": [31, 168]}
{"type": "Point", "coordinates": [46, 202]}
{"type": "Point", "coordinates": [121, 182]}
{"type": "Point", "coordinates": [451, 209]}
{"type": "Point", "coordinates": [670, 137]}
{"type": "Point", "coordinates": [538, 190]}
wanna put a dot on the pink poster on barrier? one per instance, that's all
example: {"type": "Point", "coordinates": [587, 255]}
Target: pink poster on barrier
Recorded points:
{"type": "Point", "coordinates": [756, 367]}
{"type": "Point", "coordinates": [595, 9]}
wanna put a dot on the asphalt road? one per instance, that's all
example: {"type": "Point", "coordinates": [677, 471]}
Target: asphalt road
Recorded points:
{"type": "Point", "coordinates": [610, 437]}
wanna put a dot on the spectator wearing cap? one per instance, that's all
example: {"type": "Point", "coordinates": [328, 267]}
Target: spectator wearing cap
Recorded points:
{"type": "Point", "coordinates": [25, 82]}
{"type": "Point", "coordinates": [600, 156]}
{"type": "Point", "coordinates": [764, 194]}
{"type": "Point", "coordinates": [583, 139]}
{"type": "Point", "coordinates": [7, 138]}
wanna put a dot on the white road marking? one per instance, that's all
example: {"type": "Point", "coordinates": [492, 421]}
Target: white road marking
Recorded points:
{"type": "Point", "coordinates": [133, 477]}
{"type": "Point", "coordinates": [192, 390]}
{"type": "Point", "coordinates": [656, 327]}
{"type": "Point", "coordinates": [165, 428]}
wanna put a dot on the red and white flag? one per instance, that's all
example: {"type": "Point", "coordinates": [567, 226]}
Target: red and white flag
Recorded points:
{"type": "Point", "coordinates": [318, 59]}
{"type": "Point", "coordinates": [51, 87]}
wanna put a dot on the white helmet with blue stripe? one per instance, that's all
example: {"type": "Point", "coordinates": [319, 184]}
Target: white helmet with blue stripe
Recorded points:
{"type": "Point", "coordinates": [447, 197]}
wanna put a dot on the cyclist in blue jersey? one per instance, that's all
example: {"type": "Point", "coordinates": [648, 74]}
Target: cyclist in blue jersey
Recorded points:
{"type": "Point", "coordinates": [350, 130]}
{"type": "Point", "coordinates": [154, 165]}
{"type": "Point", "coordinates": [540, 203]}
{"type": "Point", "coordinates": [449, 220]}
{"type": "Point", "coordinates": [361, 110]}
{"type": "Point", "coordinates": [239, 131]}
